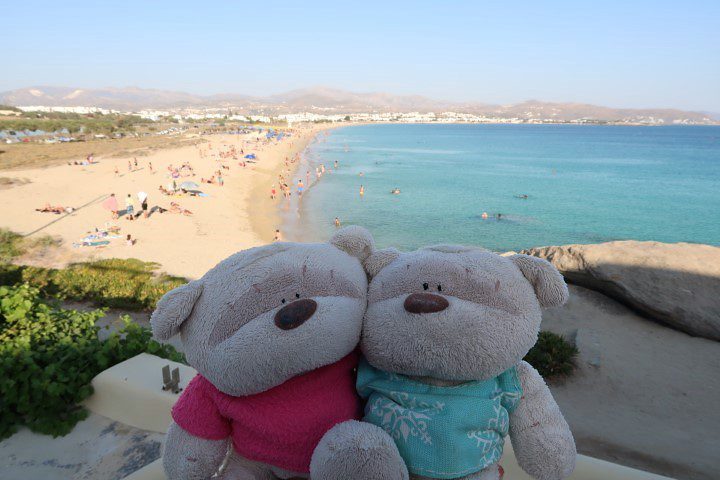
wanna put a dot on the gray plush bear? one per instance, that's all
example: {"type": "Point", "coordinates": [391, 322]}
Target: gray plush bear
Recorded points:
{"type": "Point", "coordinates": [444, 335]}
{"type": "Point", "coordinates": [273, 333]}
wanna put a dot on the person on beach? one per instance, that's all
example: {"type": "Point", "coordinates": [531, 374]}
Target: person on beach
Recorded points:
{"type": "Point", "coordinates": [272, 192]}
{"type": "Point", "coordinates": [55, 209]}
{"type": "Point", "coordinates": [144, 206]}
{"type": "Point", "coordinates": [300, 188]}
{"type": "Point", "coordinates": [117, 172]}
{"type": "Point", "coordinates": [112, 205]}
{"type": "Point", "coordinates": [150, 167]}
{"type": "Point", "coordinates": [135, 162]}
{"type": "Point", "coordinates": [176, 208]}
{"type": "Point", "coordinates": [220, 180]}
{"type": "Point", "coordinates": [278, 237]}
{"type": "Point", "coordinates": [362, 190]}
{"type": "Point", "coordinates": [129, 241]}
{"type": "Point", "coordinates": [129, 166]}
{"type": "Point", "coordinates": [337, 222]}
{"type": "Point", "coordinates": [130, 207]}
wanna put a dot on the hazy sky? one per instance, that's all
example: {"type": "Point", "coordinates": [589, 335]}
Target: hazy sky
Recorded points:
{"type": "Point", "coordinates": [616, 53]}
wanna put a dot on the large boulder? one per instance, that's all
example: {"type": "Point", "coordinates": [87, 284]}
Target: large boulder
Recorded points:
{"type": "Point", "coordinates": [675, 283]}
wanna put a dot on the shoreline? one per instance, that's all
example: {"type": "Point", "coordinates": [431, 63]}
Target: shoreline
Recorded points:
{"type": "Point", "coordinates": [269, 213]}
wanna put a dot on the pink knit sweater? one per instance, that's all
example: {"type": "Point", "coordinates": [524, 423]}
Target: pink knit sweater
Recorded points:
{"type": "Point", "coordinates": [280, 426]}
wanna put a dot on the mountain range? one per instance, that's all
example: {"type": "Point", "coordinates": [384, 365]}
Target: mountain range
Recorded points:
{"type": "Point", "coordinates": [326, 100]}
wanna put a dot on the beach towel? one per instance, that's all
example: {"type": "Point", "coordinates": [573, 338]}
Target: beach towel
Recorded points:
{"type": "Point", "coordinates": [97, 243]}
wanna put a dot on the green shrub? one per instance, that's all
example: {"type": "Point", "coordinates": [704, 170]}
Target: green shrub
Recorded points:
{"type": "Point", "coordinates": [116, 283]}
{"type": "Point", "coordinates": [11, 245]}
{"type": "Point", "coordinates": [49, 355]}
{"type": "Point", "coordinates": [552, 355]}
{"type": "Point", "coordinates": [73, 122]}
{"type": "Point", "coordinates": [10, 274]}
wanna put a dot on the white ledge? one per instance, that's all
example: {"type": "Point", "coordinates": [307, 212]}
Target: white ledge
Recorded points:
{"type": "Point", "coordinates": [131, 393]}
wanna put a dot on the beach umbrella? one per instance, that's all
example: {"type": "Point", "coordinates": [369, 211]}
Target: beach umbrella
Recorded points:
{"type": "Point", "coordinates": [189, 185]}
{"type": "Point", "coordinates": [250, 155]}
{"type": "Point", "coordinates": [111, 204]}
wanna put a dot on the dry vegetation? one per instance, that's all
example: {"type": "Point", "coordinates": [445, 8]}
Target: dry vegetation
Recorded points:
{"type": "Point", "coordinates": [35, 155]}
{"type": "Point", "coordinates": [9, 182]}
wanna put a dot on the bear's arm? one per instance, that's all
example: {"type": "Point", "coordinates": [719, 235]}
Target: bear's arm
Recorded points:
{"type": "Point", "coordinates": [543, 444]}
{"type": "Point", "coordinates": [197, 441]}
{"type": "Point", "coordinates": [189, 457]}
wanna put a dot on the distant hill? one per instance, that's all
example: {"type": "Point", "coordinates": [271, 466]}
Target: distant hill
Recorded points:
{"type": "Point", "coordinates": [129, 98]}
{"type": "Point", "coordinates": [343, 101]}
{"type": "Point", "coordinates": [575, 111]}
{"type": "Point", "coordinates": [328, 100]}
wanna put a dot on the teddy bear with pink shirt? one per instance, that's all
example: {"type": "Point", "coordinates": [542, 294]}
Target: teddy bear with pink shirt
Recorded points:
{"type": "Point", "coordinates": [273, 332]}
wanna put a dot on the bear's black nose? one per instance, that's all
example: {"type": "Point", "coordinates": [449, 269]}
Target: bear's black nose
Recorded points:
{"type": "Point", "coordinates": [294, 314]}
{"type": "Point", "coordinates": [425, 303]}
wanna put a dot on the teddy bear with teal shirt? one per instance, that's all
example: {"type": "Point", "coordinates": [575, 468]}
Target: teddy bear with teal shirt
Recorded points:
{"type": "Point", "coordinates": [443, 337]}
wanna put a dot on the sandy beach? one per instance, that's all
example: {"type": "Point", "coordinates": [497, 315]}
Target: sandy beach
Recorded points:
{"type": "Point", "coordinates": [232, 217]}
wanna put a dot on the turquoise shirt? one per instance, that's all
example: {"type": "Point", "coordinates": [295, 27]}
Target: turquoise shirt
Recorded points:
{"type": "Point", "coordinates": [441, 432]}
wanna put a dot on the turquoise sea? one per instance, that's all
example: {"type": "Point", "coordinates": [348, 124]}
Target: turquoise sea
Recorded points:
{"type": "Point", "coordinates": [584, 184]}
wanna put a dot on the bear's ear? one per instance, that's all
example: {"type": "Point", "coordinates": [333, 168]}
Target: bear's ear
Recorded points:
{"type": "Point", "coordinates": [549, 285]}
{"type": "Point", "coordinates": [379, 260]}
{"type": "Point", "coordinates": [173, 309]}
{"type": "Point", "coordinates": [355, 241]}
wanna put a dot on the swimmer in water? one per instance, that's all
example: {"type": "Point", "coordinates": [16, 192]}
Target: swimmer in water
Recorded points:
{"type": "Point", "coordinates": [362, 190]}
{"type": "Point", "coordinates": [337, 222]}
{"type": "Point", "coordinates": [484, 215]}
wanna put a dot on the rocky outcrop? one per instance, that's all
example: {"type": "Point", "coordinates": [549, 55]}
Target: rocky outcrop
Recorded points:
{"type": "Point", "coordinates": [674, 283]}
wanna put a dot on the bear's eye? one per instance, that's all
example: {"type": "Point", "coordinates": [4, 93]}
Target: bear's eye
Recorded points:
{"type": "Point", "coordinates": [297, 295]}
{"type": "Point", "coordinates": [425, 286]}
{"type": "Point", "coordinates": [439, 288]}
{"type": "Point", "coordinates": [282, 301]}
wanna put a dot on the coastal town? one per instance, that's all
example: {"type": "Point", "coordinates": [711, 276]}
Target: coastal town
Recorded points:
{"type": "Point", "coordinates": [183, 116]}
{"type": "Point", "coordinates": [172, 113]}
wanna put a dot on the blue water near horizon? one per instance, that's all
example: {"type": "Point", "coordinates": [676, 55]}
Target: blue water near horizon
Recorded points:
{"type": "Point", "coordinates": [585, 184]}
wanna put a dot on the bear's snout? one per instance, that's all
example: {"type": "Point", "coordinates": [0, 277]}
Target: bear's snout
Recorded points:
{"type": "Point", "coordinates": [295, 314]}
{"type": "Point", "coordinates": [425, 303]}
